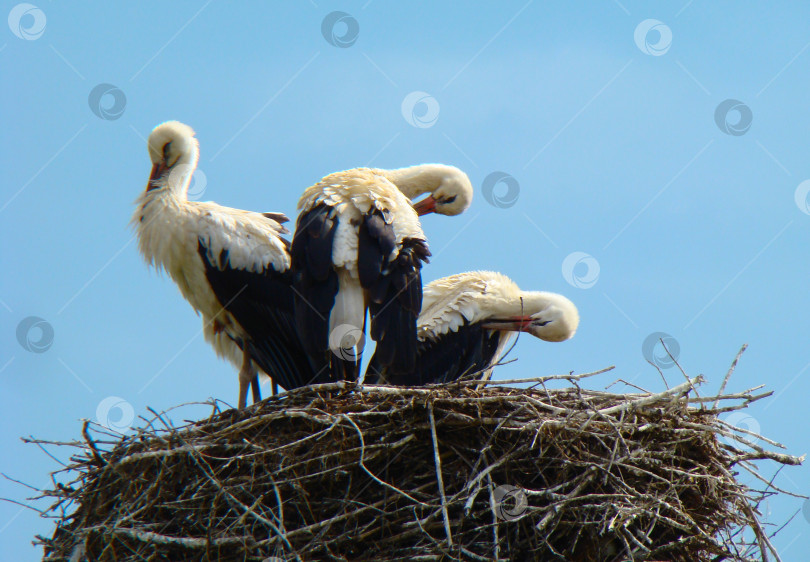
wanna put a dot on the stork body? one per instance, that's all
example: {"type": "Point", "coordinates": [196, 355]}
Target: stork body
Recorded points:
{"type": "Point", "coordinates": [231, 265]}
{"type": "Point", "coordinates": [358, 246]}
{"type": "Point", "coordinates": [466, 322]}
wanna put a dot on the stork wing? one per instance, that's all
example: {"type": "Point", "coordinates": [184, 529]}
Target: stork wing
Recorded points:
{"type": "Point", "coordinates": [467, 350]}
{"type": "Point", "coordinates": [449, 303]}
{"type": "Point", "coordinates": [315, 281]}
{"type": "Point", "coordinates": [247, 265]}
{"type": "Point", "coordinates": [252, 240]}
{"type": "Point", "coordinates": [394, 287]}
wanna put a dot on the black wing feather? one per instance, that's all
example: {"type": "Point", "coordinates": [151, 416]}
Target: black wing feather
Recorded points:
{"type": "Point", "coordinates": [468, 350]}
{"type": "Point", "coordinates": [396, 300]}
{"type": "Point", "coordinates": [278, 217]}
{"type": "Point", "coordinates": [262, 303]}
{"type": "Point", "coordinates": [374, 243]}
{"type": "Point", "coordinates": [315, 282]}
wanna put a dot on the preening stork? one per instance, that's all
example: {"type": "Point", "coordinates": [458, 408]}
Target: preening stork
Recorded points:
{"type": "Point", "coordinates": [449, 189]}
{"type": "Point", "coordinates": [358, 247]}
{"type": "Point", "coordinates": [231, 265]}
{"type": "Point", "coordinates": [466, 322]}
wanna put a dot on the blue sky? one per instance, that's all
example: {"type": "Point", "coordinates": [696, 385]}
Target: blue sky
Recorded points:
{"type": "Point", "coordinates": [612, 136]}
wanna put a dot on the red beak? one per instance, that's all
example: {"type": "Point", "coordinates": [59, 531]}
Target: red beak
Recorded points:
{"type": "Point", "coordinates": [157, 173]}
{"type": "Point", "coordinates": [513, 324]}
{"type": "Point", "coordinates": [425, 206]}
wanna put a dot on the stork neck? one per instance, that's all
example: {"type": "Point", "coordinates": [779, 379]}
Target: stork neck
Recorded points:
{"type": "Point", "coordinates": [175, 180]}
{"type": "Point", "coordinates": [416, 180]}
{"type": "Point", "coordinates": [531, 302]}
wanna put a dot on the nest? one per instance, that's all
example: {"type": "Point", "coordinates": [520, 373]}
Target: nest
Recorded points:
{"type": "Point", "coordinates": [461, 471]}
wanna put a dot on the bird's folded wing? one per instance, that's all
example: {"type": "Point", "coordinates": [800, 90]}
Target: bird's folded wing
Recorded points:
{"type": "Point", "coordinates": [447, 306]}
{"type": "Point", "coordinates": [262, 302]}
{"type": "Point", "coordinates": [252, 240]}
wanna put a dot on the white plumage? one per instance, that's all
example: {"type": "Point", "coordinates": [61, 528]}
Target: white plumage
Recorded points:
{"type": "Point", "coordinates": [213, 253]}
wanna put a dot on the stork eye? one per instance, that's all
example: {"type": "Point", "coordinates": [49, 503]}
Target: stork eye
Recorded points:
{"type": "Point", "coordinates": [449, 200]}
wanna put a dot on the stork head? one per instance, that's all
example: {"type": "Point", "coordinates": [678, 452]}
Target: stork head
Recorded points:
{"type": "Point", "coordinates": [556, 320]}
{"type": "Point", "coordinates": [174, 151]}
{"type": "Point", "coordinates": [449, 189]}
{"type": "Point", "coordinates": [548, 316]}
{"type": "Point", "coordinates": [451, 196]}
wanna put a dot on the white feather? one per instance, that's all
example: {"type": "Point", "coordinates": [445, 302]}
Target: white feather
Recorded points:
{"type": "Point", "coordinates": [450, 301]}
{"type": "Point", "coordinates": [349, 310]}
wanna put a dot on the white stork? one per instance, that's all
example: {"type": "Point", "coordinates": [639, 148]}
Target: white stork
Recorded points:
{"type": "Point", "coordinates": [358, 246]}
{"type": "Point", "coordinates": [231, 265]}
{"type": "Point", "coordinates": [466, 322]}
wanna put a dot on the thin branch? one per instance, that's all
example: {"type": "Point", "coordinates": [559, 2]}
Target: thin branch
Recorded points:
{"type": "Point", "coordinates": [728, 374]}
{"type": "Point", "coordinates": [438, 462]}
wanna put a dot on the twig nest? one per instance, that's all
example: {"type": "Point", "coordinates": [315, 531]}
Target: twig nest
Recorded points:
{"type": "Point", "coordinates": [458, 471]}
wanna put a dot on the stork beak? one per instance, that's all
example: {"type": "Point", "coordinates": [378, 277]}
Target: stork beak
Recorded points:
{"type": "Point", "coordinates": [157, 172]}
{"type": "Point", "coordinates": [425, 206]}
{"type": "Point", "coordinates": [514, 324]}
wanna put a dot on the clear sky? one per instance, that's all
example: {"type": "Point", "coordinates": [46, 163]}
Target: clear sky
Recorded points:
{"type": "Point", "coordinates": [627, 182]}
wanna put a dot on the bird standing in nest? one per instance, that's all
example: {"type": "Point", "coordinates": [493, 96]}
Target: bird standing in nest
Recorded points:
{"type": "Point", "coordinates": [358, 247]}
{"type": "Point", "coordinates": [466, 322]}
{"type": "Point", "coordinates": [232, 266]}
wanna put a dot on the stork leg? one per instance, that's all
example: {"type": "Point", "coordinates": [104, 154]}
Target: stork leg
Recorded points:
{"type": "Point", "coordinates": [275, 388]}
{"type": "Point", "coordinates": [344, 369]}
{"type": "Point", "coordinates": [254, 387]}
{"type": "Point", "coordinates": [247, 374]}
{"type": "Point", "coordinates": [346, 363]}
